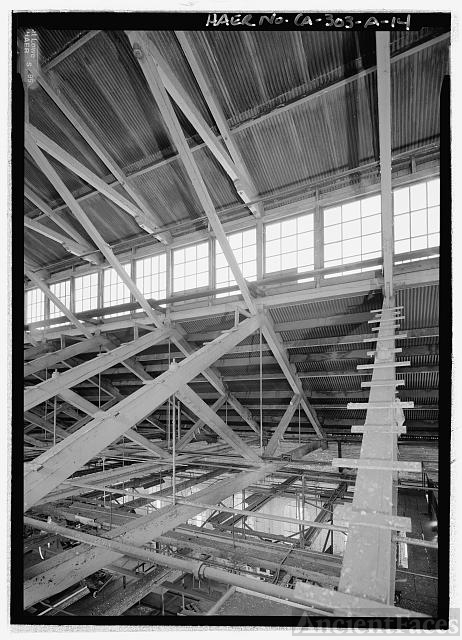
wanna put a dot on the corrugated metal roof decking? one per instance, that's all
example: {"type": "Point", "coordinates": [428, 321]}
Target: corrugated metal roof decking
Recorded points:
{"type": "Point", "coordinates": [54, 41]}
{"type": "Point", "coordinates": [421, 306]}
{"type": "Point", "coordinates": [415, 97]}
{"type": "Point", "coordinates": [275, 67]}
{"type": "Point", "coordinates": [167, 189]}
{"type": "Point", "coordinates": [45, 115]}
{"type": "Point", "coordinates": [322, 308]}
{"type": "Point", "coordinates": [326, 332]}
{"type": "Point", "coordinates": [321, 136]}
{"type": "Point", "coordinates": [325, 135]}
{"type": "Point", "coordinates": [334, 366]}
{"type": "Point", "coordinates": [42, 249]}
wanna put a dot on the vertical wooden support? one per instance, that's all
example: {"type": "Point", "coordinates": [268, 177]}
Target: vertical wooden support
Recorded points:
{"type": "Point", "coordinates": [212, 263]}
{"type": "Point", "coordinates": [384, 104]}
{"type": "Point", "coordinates": [318, 239]}
{"type": "Point", "coordinates": [46, 308]}
{"type": "Point", "coordinates": [100, 294]}
{"type": "Point", "coordinates": [72, 293]}
{"type": "Point", "coordinates": [169, 273]}
{"type": "Point", "coordinates": [368, 568]}
{"type": "Point", "coordinates": [260, 252]}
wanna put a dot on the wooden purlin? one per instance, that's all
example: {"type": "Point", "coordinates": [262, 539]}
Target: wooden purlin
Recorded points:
{"type": "Point", "coordinates": [369, 561]}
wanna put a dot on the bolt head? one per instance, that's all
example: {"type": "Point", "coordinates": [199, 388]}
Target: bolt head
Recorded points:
{"type": "Point", "coordinates": [137, 51]}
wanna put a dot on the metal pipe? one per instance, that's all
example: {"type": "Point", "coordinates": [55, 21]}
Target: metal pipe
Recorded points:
{"type": "Point", "coordinates": [415, 541]}
{"type": "Point", "coordinates": [191, 566]}
{"type": "Point", "coordinates": [57, 605]}
{"type": "Point", "coordinates": [221, 601]}
{"type": "Point", "coordinates": [312, 610]}
{"type": "Point", "coordinates": [326, 599]}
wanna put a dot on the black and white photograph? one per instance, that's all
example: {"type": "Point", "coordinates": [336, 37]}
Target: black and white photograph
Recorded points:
{"type": "Point", "coordinates": [227, 408]}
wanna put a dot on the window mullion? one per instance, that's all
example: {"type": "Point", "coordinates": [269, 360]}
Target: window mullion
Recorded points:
{"type": "Point", "coordinates": [318, 232]}
{"type": "Point", "coordinates": [212, 262]}
{"type": "Point", "coordinates": [169, 273]}
{"type": "Point", "coordinates": [100, 300]}
{"type": "Point", "coordinates": [259, 233]}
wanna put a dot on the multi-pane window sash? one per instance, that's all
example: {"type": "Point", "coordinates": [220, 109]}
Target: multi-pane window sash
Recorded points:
{"type": "Point", "coordinates": [244, 247]}
{"type": "Point", "coordinates": [289, 244]}
{"type": "Point", "coordinates": [191, 267]}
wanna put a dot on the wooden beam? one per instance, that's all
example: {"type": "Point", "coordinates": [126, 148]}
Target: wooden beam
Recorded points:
{"type": "Point", "coordinates": [308, 595]}
{"type": "Point", "coordinates": [384, 108]}
{"type": "Point", "coordinates": [244, 185]}
{"type": "Point", "coordinates": [369, 562]}
{"type": "Point", "coordinates": [150, 69]}
{"type": "Point", "coordinates": [61, 461]}
{"type": "Point", "coordinates": [32, 265]}
{"type": "Point", "coordinates": [155, 317]}
{"type": "Point", "coordinates": [72, 567]}
{"type": "Point", "coordinates": [303, 375]}
{"type": "Point", "coordinates": [316, 343]}
{"type": "Point", "coordinates": [82, 217]}
{"type": "Point", "coordinates": [38, 421]}
{"type": "Point", "coordinates": [51, 87]}
{"type": "Point", "coordinates": [65, 158]}
{"type": "Point", "coordinates": [180, 486]}
{"type": "Point", "coordinates": [85, 252]}
{"type": "Point", "coordinates": [57, 302]}
{"type": "Point", "coordinates": [126, 596]}
{"type": "Point", "coordinates": [109, 477]}
{"type": "Point", "coordinates": [130, 363]}
{"type": "Point", "coordinates": [295, 325]}
{"type": "Point", "coordinates": [189, 435]}
{"type": "Point", "coordinates": [34, 442]}
{"type": "Point", "coordinates": [213, 376]}
{"type": "Point", "coordinates": [354, 354]}
{"type": "Point", "coordinates": [283, 394]}
{"type": "Point", "coordinates": [45, 390]}
{"type": "Point", "coordinates": [415, 278]}
{"type": "Point", "coordinates": [282, 426]}
{"type": "Point", "coordinates": [54, 216]}
{"type": "Point", "coordinates": [71, 49]}
{"type": "Point", "coordinates": [50, 359]}
{"type": "Point", "coordinates": [202, 410]}
{"type": "Point", "coordinates": [77, 401]}
{"type": "Point", "coordinates": [187, 106]}
{"type": "Point", "coordinates": [132, 435]}
{"type": "Point", "coordinates": [38, 350]}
